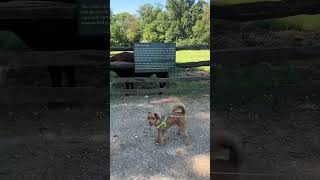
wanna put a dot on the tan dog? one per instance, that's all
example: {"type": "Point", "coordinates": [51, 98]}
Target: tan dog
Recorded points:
{"type": "Point", "coordinates": [164, 122]}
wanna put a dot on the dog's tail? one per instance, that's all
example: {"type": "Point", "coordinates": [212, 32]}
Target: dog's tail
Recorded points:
{"type": "Point", "coordinates": [179, 106]}
{"type": "Point", "coordinates": [231, 142]}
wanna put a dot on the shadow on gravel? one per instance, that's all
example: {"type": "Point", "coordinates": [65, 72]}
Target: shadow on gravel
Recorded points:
{"type": "Point", "coordinates": [134, 153]}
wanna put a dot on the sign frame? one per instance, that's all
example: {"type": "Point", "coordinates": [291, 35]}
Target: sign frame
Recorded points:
{"type": "Point", "coordinates": [154, 57]}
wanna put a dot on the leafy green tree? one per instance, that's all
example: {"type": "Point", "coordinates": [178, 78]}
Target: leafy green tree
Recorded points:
{"type": "Point", "coordinates": [125, 29]}
{"type": "Point", "coordinates": [148, 13]}
{"type": "Point", "coordinates": [183, 15]}
{"type": "Point", "coordinates": [162, 22]}
{"type": "Point", "coordinates": [150, 33]}
{"type": "Point", "coordinates": [133, 31]}
{"type": "Point", "coordinates": [201, 30]}
{"type": "Point", "coordinates": [152, 19]}
{"type": "Point", "coordinates": [182, 21]}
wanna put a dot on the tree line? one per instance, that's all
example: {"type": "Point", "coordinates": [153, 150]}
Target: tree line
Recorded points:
{"type": "Point", "coordinates": [185, 22]}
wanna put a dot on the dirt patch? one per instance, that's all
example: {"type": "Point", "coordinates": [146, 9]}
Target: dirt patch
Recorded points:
{"type": "Point", "coordinates": [284, 139]}
{"type": "Point", "coordinates": [67, 142]}
{"type": "Point", "coordinates": [252, 36]}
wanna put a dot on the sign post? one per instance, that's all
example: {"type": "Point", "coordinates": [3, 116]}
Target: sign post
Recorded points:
{"type": "Point", "coordinates": [154, 57]}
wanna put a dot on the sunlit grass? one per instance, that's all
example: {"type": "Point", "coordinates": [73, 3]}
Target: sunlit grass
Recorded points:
{"type": "Point", "coordinates": [304, 22]}
{"type": "Point", "coordinates": [194, 56]}
{"type": "Point", "coordinates": [229, 2]}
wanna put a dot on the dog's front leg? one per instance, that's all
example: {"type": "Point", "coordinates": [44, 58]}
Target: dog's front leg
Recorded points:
{"type": "Point", "coordinates": [185, 136]}
{"type": "Point", "coordinates": [158, 137]}
{"type": "Point", "coordinates": [183, 131]}
{"type": "Point", "coordinates": [165, 137]}
{"type": "Point", "coordinates": [162, 137]}
{"type": "Point", "coordinates": [179, 132]}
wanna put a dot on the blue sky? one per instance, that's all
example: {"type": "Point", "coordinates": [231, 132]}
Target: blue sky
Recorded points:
{"type": "Point", "coordinates": [131, 6]}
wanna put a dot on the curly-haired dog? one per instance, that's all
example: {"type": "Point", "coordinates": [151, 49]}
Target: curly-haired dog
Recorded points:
{"type": "Point", "coordinates": [164, 122]}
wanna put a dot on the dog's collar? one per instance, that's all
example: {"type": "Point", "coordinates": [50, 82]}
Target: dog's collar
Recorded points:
{"type": "Point", "coordinates": [163, 124]}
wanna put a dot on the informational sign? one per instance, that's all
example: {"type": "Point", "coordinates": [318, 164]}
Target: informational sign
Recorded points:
{"type": "Point", "coordinates": [154, 57]}
{"type": "Point", "coordinates": [93, 17]}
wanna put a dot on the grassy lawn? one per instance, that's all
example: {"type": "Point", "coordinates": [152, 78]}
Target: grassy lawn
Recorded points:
{"type": "Point", "coordinates": [230, 2]}
{"type": "Point", "coordinates": [188, 56]}
{"type": "Point", "coordinates": [9, 40]}
{"type": "Point", "coordinates": [304, 22]}
{"type": "Point", "coordinates": [194, 56]}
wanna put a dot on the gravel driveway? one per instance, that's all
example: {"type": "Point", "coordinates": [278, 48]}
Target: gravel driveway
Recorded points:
{"type": "Point", "coordinates": [134, 153]}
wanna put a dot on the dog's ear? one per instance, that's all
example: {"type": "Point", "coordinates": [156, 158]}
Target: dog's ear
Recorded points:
{"type": "Point", "coordinates": [157, 115]}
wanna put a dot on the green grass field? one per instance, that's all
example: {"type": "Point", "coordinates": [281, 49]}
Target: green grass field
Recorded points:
{"type": "Point", "coordinates": [188, 56]}
{"type": "Point", "coordinates": [304, 22]}
{"type": "Point", "coordinates": [230, 2]}
{"type": "Point", "coordinates": [9, 40]}
{"type": "Point", "coordinates": [194, 56]}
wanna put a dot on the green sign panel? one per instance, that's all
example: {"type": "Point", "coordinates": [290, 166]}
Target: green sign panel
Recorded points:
{"type": "Point", "coordinates": [154, 57]}
{"type": "Point", "coordinates": [93, 17]}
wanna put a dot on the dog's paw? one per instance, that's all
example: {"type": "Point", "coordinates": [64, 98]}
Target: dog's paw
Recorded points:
{"type": "Point", "coordinates": [188, 141]}
{"type": "Point", "coordinates": [159, 143]}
